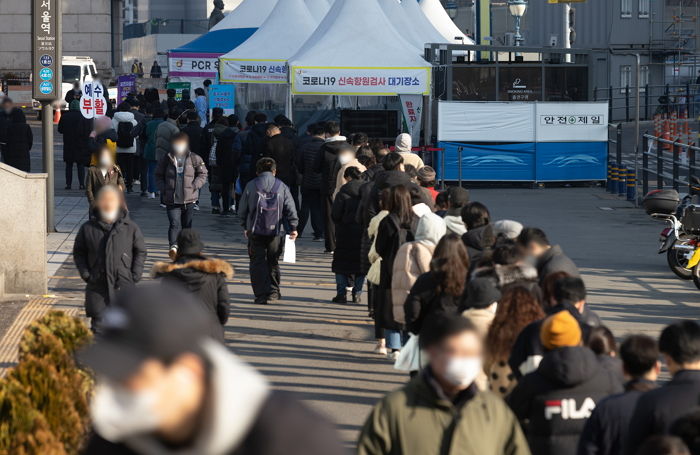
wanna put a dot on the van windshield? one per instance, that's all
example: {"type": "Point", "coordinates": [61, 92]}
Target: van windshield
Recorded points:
{"type": "Point", "coordinates": [71, 73]}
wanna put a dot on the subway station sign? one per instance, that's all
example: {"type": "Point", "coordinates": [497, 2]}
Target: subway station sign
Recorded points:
{"type": "Point", "coordinates": [46, 49]}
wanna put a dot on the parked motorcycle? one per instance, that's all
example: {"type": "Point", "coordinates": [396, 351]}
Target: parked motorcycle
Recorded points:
{"type": "Point", "coordinates": [680, 239]}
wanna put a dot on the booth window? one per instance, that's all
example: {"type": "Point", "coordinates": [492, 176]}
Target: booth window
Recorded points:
{"type": "Point", "coordinates": [626, 8]}
{"type": "Point", "coordinates": [643, 77]}
{"type": "Point", "coordinates": [473, 84]}
{"type": "Point", "coordinates": [644, 9]}
{"type": "Point", "coordinates": [625, 78]}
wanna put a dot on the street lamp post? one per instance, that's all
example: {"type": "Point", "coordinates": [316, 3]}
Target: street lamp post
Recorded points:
{"type": "Point", "coordinates": [517, 9]}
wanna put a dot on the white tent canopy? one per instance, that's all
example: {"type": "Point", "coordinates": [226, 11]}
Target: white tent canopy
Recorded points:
{"type": "Point", "coordinates": [356, 51]}
{"type": "Point", "coordinates": [263, 57]}
{"type": "Point", "coordinates": [417, 18]}
{"type": "Point", "coordinates": [437, 15]}
{"type": "Point", "coordinates": [318, 9]}
{"type": "Point", "coordinates": [250, 13]}
{"type": "Point", "coordinates": [402, 24]}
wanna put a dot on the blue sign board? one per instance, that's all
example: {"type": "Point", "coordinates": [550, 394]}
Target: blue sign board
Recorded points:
{"type": "Point", "coordinates": [46, 87]}
{"type": "Point", "coordinates": [46, 74]}
{"type": "Point", "coordinates": [223, 96]}
{"type": "Point", "coordinates": [46, 60]}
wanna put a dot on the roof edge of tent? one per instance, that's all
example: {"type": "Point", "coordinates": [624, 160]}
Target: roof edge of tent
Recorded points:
{"type": "Point", "coordinates": [216, 41]}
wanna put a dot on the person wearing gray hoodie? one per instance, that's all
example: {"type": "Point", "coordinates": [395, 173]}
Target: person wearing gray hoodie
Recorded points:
{"type": "Point", "coordinates": [457, 198]}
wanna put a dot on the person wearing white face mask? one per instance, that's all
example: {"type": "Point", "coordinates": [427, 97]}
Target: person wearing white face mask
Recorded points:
{"type": "Point", "coordinates": [441, 410]}
{"type": "Point", "coordinates": [109, 252]}
{"type": "Point", "coordinates": [179, 176]}
{"type": "Point", "coordinates": [164, 387]}
{"type": "Point", "coordinates": [103, 173]}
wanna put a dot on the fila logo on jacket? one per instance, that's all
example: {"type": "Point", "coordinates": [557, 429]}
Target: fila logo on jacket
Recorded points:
{"type": "Point", "coordinates": [568, 410]}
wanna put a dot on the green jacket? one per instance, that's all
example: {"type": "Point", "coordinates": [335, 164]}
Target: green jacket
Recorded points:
{"type": "Point", "coordinates": [416, 421]}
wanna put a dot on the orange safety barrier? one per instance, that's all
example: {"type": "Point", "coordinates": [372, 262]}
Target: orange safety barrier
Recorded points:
{"type": "Point", "coordinates": [56, 116]}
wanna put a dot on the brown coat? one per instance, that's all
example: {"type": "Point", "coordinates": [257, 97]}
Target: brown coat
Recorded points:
{"type": "Point", "coordinates": [95, 181]}
{"type": "Point", "coordinates": [412, 260]}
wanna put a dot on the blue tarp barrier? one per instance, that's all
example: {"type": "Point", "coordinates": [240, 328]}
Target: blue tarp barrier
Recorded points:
{"type": "Point", "coordinates": [529, 162]}
{"type": "Point", "coordinates": [568, 161]}
{"type": "Point", "coordinates": [490, 162]}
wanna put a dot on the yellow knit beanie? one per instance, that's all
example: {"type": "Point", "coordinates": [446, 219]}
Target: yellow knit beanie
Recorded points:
{"type": "Point", "coordinates": [560, 330]}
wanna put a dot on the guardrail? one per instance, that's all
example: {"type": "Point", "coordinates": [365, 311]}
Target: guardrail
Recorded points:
{"type": "Point", "coordinates": [665, 154]}
{"type": "Point", "coordinates": [655, 99]}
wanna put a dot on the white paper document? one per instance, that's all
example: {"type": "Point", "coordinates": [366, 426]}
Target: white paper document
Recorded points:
{"type": "Point", "coordinates": [290, 251]}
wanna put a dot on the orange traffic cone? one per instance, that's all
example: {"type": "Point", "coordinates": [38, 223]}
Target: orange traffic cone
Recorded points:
{"type": "Point", "coordinates": [56, 116]}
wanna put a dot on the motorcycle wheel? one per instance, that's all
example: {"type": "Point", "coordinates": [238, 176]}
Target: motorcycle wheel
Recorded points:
{"type": "Point", "coordinates": [696, 276]}
{"type": "Point", "coordinates": [677, 262]}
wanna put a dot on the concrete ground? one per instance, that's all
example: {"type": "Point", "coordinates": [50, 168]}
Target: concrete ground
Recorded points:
{"type": "Point", "coordinates": [322, 351]}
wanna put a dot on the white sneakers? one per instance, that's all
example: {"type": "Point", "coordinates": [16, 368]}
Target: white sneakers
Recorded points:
{"type": "Point", "coordinates": [393, 355]}
{"type": "Point", "coordinates": [173, 252]}
{"type": "Point", "coordinates": [380, 348]}
{"type": "Point", "coordinates": [151, 195]}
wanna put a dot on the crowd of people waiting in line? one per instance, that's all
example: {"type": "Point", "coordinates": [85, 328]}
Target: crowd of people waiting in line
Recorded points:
{"type": "Point", "coordinates": [511, 358]}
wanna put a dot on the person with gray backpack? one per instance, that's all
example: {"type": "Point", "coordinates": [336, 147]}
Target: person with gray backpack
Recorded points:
{"type": "Point", "coordinates": [266, 206]}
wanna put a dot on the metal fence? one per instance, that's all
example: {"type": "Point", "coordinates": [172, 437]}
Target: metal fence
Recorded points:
{"type": "Point", "coordinates": [670, 163]}
{"type": "Point", "coordinates": [654, 99]}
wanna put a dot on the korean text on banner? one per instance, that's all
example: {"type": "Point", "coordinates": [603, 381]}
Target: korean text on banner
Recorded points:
{"type": "Point", "coordinates": [360, 81]}
{"type": "Point", "coordinates": [261, 71]}
{"type": "Point", "coordinates": [412, 108]}
{"type": "Point", "coordinates": [179, 87]}
{"type": "Point", "coordinates": [223, 96]}
{"type": "Point", "coordinates": [571, 122]}
{"type": "Point", "coordinates": [193, 65]}
{"type": "Point", "coordinates": [93, 103]}
{"type": "Point", "coordinates": [125, 84]}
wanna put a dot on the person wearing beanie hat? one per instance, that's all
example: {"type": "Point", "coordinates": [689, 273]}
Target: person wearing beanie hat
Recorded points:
{"type": "Point", "coordinates": [403, 146]}
{"type": "Point", "coordinates": [555, 401]}
{"type": "Point", "coordinates": [560, 330]}
{"type": "Point", "coordinates": [507, 228]}
{"type": "Point", "coordinates": [480, 306]}
{"type": "Point", "coordinates": [76, 131]}
{"type": "Point", "coordinates": [426, 179]}
{"type": "Point", "coordinates": [201, 276]}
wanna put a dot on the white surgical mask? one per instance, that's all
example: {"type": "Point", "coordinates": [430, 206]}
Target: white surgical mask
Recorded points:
{"type": "Point", "coordinates": [180, 148]}
{"type": "Point", "coordinates": [462, 371]}
{"type": "Point", "coordinates": [110, 216]}
{"type": "Point", "coordinates": [118, 413]}
{"type": "Point", "coordinates": [105, 161]}
{"type": "Point", "coordinates": [344, 159]}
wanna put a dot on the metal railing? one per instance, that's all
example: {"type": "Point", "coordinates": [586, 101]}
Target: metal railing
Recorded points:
{"type": "Point", "coordinates": [655, 99]}
{"type": "Point", "coordinates": [667, 155]}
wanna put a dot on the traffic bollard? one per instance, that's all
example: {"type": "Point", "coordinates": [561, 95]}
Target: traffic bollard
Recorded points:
{"type": "Point", "coordinates": [631, 185]}
{"type": "Point", "coordinates": [608, 184]}
{"type": "Point", "coordinates": [621, 188]}
{"type": "Point", "coordinates": [614, 178]}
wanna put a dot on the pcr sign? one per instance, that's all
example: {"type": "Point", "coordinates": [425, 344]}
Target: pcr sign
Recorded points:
{"type": "Point", "coordinates": [93, 103]}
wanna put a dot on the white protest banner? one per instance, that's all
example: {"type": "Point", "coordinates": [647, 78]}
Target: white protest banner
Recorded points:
{"type": "Point", "coordinates": [360, 81]}
{"type": "Point", "coordinates": [251, 70]}
{"type": "Point", "coordinates": [412, 108]}
{"type": "Point", "coordinates": [92, 102]}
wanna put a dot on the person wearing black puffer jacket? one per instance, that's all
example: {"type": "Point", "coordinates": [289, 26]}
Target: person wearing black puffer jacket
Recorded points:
{"type": "Point", "coordinates": [311, 181]}
{"type": "Point", "coordinates": [201, 276]}
{"type": "Point", "coordinates": [327, 165]}
{"type": "Point", "coordinates": [479, 238]}
{"type": "Point", "coordinates": [554, 402]}
{"type": "Point", "coordinates": [109, 252]}
{"type": "Point", "coordinates": [253, 148]}
{"type": "Point", "coordinates": [18, 141]}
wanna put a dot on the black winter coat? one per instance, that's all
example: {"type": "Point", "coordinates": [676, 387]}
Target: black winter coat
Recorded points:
{"type": "Point", "coordinates": [388, 179]}
{"type": "Point", "coordinates": [424, 302]}
{"type": "Point", "coordinates": [76, 131]}
{"type": "Point", "coordinates": [109, 257]}
{"type": "Point", "coordinates": [196, 135]}
{"type": "Point", "coordinates": [4, 125]}
{"type": "Point", "coordinates": [226, 158]}
{"type": "Point", "coordinates": [205, 279]}
{"type": "Point", "coordinates": [327, 164]}
{"type": "Point", "coordinates": [348, 233]}
{"type": "Point", "coordinates": [554, 260]}
{"type": "Point", "coordinates": [282, 150]}
{"type": "Point", "coordinates": [658, 409]}
{"type": "Point", "coordinates": [479, 242]}
{"type": "Point", "coordinates": [306, 159]}
{"type": "Point", "coordinates": [253, 150]}
{"type": "Point", "coordinates": [528, 344]}
{"type": "Point", "coordinates": [19, 140]}
{"type": "Point", "coordinates": [606, 431]}
{"type": "Point", "coordinates": [554, 402]}
{"type": "Point", "coordinates": [390, 236]}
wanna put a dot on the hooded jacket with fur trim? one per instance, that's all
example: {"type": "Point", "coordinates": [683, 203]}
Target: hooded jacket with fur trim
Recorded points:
{"type": "Point", "coordinates": [206, 279]}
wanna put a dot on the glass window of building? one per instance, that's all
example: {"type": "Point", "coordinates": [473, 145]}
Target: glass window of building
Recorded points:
{"type": "Point", "coordinates": [626, 8]}
{"type": "Point", "coordinates": [644, 8]}
{"type": "Point", "coordinates": [625, 78]}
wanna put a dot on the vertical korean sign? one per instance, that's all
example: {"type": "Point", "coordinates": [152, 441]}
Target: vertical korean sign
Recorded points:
{"type": "Point", "coordinates": [412, 108]}
{"type": "Point", "coordinates": [93, 103]}
{"type": "Point", "coordinates": [46, 49]}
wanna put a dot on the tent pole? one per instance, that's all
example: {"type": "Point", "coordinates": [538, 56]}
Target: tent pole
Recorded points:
{"type": "Point", "coordinates": [288, 104]}
{"type": "Point", "coordinates": [428, 119]}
